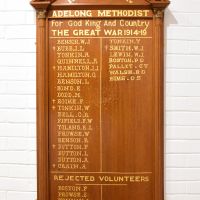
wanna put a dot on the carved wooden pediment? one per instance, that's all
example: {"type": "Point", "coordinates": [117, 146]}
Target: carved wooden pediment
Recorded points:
{"type": "Point", "coordinates": [42, 4]}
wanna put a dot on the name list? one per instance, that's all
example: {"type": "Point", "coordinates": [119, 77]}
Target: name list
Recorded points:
{"type": "Point", "coordinates": [81, 52]}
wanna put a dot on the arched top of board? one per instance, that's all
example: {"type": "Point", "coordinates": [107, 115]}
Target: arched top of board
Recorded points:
{"type": "Point", "coordinates": [42, 4]}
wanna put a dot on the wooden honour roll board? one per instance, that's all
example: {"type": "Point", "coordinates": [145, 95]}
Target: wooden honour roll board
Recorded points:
{"type": "Point", "coordinates": [100, 100]}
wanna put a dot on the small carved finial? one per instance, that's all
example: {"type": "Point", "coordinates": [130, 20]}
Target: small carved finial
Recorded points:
{"type": "Point", "coordinates": [158, 13]}
{"type": "Point", "coordinates": [129, 1]}
{"type": "Point", "coordinates": [71, 1]}
{"type": "Point", "coordinates": [41, 14]}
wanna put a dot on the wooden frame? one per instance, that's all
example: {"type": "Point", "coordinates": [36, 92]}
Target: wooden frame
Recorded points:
{"type": "Point", "coordinates": [42, 8]}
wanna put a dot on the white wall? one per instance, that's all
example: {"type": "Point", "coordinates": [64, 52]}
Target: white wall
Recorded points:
{"type": "Point", "coordinates": [183, 100]}
{"type": "Point", "coordinates": [17, 100]}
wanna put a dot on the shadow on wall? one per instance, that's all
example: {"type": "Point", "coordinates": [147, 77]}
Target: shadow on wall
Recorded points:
{"type": "Point", "coordinates": [169, 20]}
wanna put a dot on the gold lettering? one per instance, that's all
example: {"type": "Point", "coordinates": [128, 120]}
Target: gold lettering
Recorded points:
{"type": "Point", "coordinates": [86, 32]}
{"type": "Point", "coordinates": [123, 13]}
{"type": "Point", "coordinates": [71, 13]}
{"type": "Point", "coordinates": [99, 13]}
{"type": "Point", "coordinates": [60, 33]}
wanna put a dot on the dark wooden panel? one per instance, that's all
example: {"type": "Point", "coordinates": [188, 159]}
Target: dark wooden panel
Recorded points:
{"type": "Point", "coordinates": [100, 104]}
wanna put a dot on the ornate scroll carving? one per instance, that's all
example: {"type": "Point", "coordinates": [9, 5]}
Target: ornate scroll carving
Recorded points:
{"type": "Point", "coordinates": [158, 13]}
{"type": "Point", "coordinates": [41, 14]}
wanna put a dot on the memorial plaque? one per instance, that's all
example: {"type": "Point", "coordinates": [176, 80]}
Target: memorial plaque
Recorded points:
{"type": "Point", "coordinates": [100, 99]}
